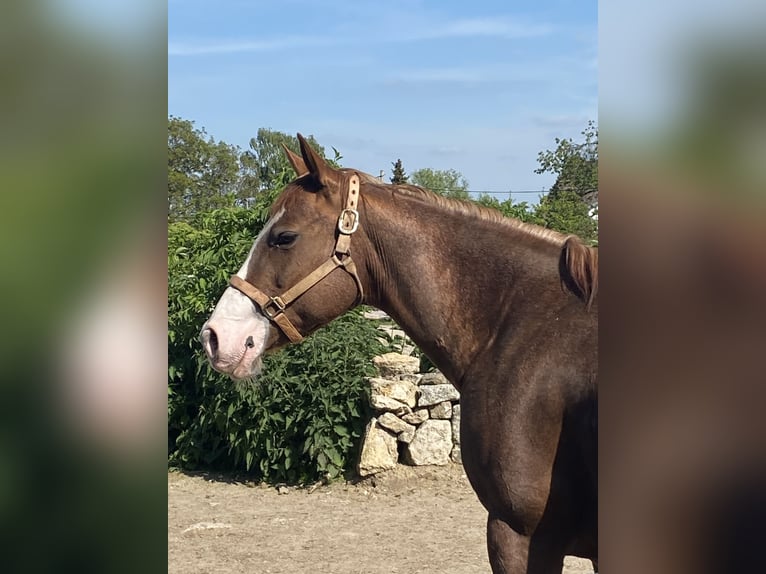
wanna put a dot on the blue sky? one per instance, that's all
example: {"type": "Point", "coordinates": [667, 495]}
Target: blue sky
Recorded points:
{"type": "Point", "coordinates": [480, 87]}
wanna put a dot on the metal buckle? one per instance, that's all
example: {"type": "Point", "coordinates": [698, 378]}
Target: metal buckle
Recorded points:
{"type": "Point", "coordinates": [278, 303]}
{"type": "Point", "coordinates": [348, 229]}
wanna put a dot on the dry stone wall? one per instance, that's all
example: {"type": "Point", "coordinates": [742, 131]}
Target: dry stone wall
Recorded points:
{"type": "Point", "coordinates": [416, 417]}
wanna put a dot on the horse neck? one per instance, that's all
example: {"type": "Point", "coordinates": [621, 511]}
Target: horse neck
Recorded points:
{"type": "Point", "coordinates": [444, 280]}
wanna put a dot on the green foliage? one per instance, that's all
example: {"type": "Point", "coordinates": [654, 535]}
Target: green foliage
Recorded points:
{"type": "Point", "coordinates": [567, 213]}
{"type": "Point", "coordinates": [303, 418]}
{"type": "Point", "coordinates": [265, 162]}
{"type": "Point", "coordinates": [449, 183]}
{"type": "Point", "coordinates": [573, 198]}
{"type": "Point", "coordinates": [574, 164]}
{"type": "Point", "coordinates": [399, 175]}
{"type": "Point", "coordinates": [202, 174]}
{"type": "Point", "coordinates": [564, 212]}
{"type": "Point", "coordinates": [200, 258]}
{"type": "Point", "coordinates": [521, 210]}
{"type": "Point", "coordinates": [205, 175]}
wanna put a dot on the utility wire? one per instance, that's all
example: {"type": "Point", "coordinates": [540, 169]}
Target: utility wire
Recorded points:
{"type": "Point", "coordinates": [511, 191]}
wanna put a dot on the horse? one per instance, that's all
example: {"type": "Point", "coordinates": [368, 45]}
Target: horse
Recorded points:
{"type": "Point", "coordinates": [506, 310]}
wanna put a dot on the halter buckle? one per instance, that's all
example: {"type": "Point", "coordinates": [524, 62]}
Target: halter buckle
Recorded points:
{"type": "Point", "coordinates": [277, 303]}
{"type": "Point", "coordinates": [351, 227]}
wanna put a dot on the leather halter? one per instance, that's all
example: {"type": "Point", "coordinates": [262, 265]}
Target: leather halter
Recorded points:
{"type": "Point", "coordinates": [273, 308]}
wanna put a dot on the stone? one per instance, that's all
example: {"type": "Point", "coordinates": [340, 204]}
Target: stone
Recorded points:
{"type": "Point", "coordinates": [412, 378]}
{"type": "Point", "coordinates": [392, 332]}
{"type": "Point", "coordinates": [395, 396]}
{"type": "Point", "coordinates": [456, 424]}
{"type": "Point", "coordinates": [379, 451]}
{"type": "Point", "coordinates": [406, 436]}
{"type": "Point", "coordinates": [375, 314]}
{"type": "Point", "coordinates": [455, 455]}
{"type": "Point", "coordinates": [441, 411]}
{"type": "Point", "coordinates": [432, 444]}
{"type": "Point", "coordinates": [435, 394]}
{"type": "Point", "coordinates": [416, 417]}
{"type": "Point", "coordinates": [393, 423]}
{"type": "Point", "coordinates": [392, 365]}
{"type": "Point", "coordinates": [386, 405]}
{"type": "Point", "coordinates": [435, 378]}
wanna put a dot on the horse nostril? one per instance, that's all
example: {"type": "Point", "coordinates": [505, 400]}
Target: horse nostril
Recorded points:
{"type": "Point", "coordinates": [249, 343]}
{"type": "Point", "coordinates": [210, 342]}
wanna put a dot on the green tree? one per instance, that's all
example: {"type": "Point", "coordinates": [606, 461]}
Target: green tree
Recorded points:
{"type": "Point", "coordinates": [202, 173]}
{"type": "Point", "coordinates": [571, 206]}
{"type": "Point", "coordinates": [487, 200]}
{"type": "Point", "coordinates": [521, 210]}
{"type": "Point", "coordinates": [449, 183]}
{"type": "Point", "coordinates": [263, 165]}
{"type": "Point", "coordinates": [564, 212]}
{"type": "Point", "coordinates": [575, 165]}
{"type": "Point", "coordinates": [399, 176]}
{"type": "Point", "coordinates": [567, 213]}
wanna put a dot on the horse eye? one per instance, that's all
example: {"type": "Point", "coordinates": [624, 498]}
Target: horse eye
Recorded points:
{"type": "Point", "coordinates": [284, 239]}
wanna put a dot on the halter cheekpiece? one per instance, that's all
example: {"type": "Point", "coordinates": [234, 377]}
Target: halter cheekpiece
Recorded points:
{"type": "Point", "coordinates": [273, 308]}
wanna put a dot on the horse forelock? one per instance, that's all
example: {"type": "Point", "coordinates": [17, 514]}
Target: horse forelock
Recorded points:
{"type": "Point", "coordinates": [307, 183]}
{"type": "Point", "coordinates": [289, 194]}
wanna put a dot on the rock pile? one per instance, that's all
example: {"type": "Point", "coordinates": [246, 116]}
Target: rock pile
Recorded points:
{"type": "Point", "coordinates": [417, 417]}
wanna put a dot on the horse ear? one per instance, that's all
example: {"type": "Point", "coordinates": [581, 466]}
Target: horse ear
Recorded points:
{"type": "Point", "coordinates": [296, 161]}
{"type": "Point", "coordinates": [316, 164]}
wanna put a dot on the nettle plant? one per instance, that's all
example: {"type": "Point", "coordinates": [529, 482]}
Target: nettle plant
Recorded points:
{"type": "Point", "coordinates": [303, 419]}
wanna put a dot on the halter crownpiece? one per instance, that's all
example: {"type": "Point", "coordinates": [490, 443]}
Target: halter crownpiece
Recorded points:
{"type": "Point", "coordinates": [273, 308]}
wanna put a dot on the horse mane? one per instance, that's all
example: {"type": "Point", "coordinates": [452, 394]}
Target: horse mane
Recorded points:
{"type": "Point", "coordinates": [578, 263]}
{"type": "Point", "coordinates": [466, 208]}
{"type": "Point", "coordinates": [578, 266]}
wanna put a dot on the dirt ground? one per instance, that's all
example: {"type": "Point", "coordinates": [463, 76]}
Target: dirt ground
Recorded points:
{"type": "Point", "coordinates": [410, 520]}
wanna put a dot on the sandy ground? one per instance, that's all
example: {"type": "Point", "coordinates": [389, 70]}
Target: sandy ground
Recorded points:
{"type": "Point", "coordinates": [409, 520]}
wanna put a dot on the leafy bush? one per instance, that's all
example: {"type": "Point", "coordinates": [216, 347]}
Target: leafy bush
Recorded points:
{"type": "Point", "coordinates": [303, 418]}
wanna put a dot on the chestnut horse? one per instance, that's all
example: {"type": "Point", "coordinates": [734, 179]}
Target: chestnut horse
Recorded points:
{"type": "Point", "coordinates": [507, 311]}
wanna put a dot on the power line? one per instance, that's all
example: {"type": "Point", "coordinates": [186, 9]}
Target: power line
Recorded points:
{"type": "Point", "coordinates": [504, 192]}
{"type": "Point", "coordinates": [493, 192]}
{"type": "Point", "coordinates": [511, 191]}
{"type": "Point", "coordinates": [487, 191]}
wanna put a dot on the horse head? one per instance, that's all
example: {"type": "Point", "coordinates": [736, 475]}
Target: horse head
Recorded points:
{"type": "Point", "coordinates": [299, 274]}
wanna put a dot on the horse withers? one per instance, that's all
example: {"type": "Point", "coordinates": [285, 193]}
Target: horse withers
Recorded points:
{"type": "Point", "coordinates": [508, 311]}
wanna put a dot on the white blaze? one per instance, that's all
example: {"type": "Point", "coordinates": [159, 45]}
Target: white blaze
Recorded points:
{"type": "Point", "coordinates": [235, 318]}
{"type": "Point", "coordinates": [242, 273]}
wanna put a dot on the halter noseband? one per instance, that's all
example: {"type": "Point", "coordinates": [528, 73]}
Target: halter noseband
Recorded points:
{"type": "Point", "coordinates": [274, 308]}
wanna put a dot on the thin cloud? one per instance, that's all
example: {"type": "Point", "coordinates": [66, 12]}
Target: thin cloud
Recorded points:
{"type": "Point", "coordinates": [516, 74]}
{"type": "Point", "coordinates": [463, 28]}
{"type": "Point", "coordinates": [481, 28]}
{"type": "Point", "coordinates": [246, 46]}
